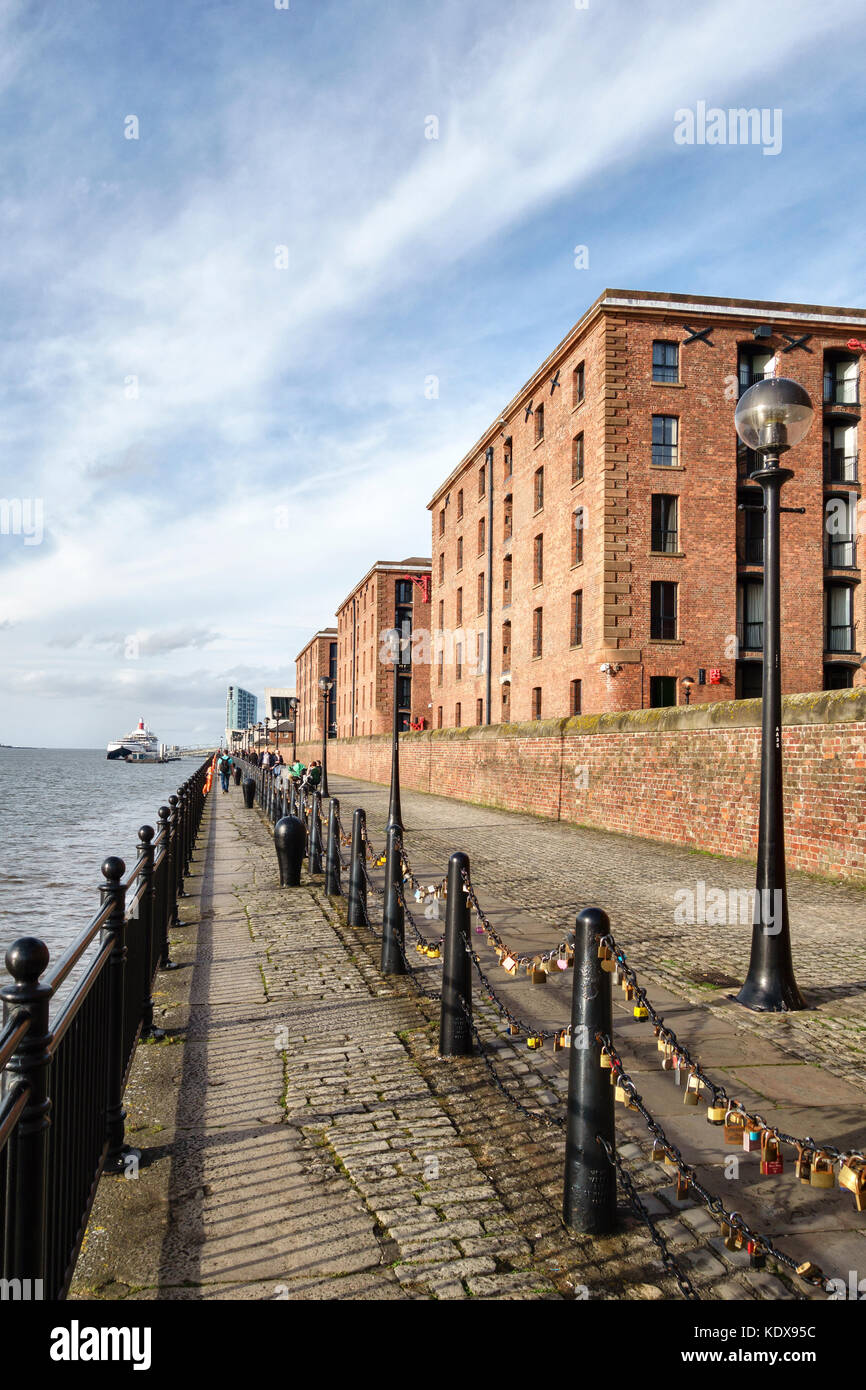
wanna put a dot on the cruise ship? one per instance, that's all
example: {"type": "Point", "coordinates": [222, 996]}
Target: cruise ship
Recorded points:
{"type": "Point", "coordinates": [140, 746]}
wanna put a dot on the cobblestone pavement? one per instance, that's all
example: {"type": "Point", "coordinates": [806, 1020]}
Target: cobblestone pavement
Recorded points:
{"type": "Point", "coordinates": [301, 1138]}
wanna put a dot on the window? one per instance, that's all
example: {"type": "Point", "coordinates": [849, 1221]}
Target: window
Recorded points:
{"type": "Point", "coordinates": [506, 460]}
{"type": "Point", "coordinates": [438, 716]}
{"type": "Point", "coordinates": [841, 380]}
{"type": "Point", "coordinates": [536, 702]}
{"type": "Point", "coordinates": [665, 361]}
{"type": "Point", "coordinates": [578, 384]}
{"type": "Point", "coordinates": [538, 489]}
{"type": "Point", "coordinates": [839, 635]}
{"type": "Point", "coordinates": [481, 593]}
{"type": "Point", "coordinates": [840, 453]}
{"type": "Point", "coordinates": [441, 614]}
{"type": "Point", "coordinates": [404, 701]}
{"type": "Point", "coordinates": [577, 458]}
{"type": "Point", "coordinates": [750, 616]}
{"type": "Point", "coordinates": [537, 632]}
{"type": "Point", "coordinates": [457, 714]}
{"type": "Point", "coordinates": [506, 646]}
{"type": "Point", "coordinates": [664, 533]}
{"type": "Point", "coordinates": [752, 549]}
{"type": "Point", "coordinates": [575, 698]}
{"type": "Point", "coordinates": [440, 664]}
{"type": "Point", "coordinates": [459, 607]}
{"type": "Point", "coordinates": [663, 610]}
{"type": "Point", "coordinates": [506, 581]}
{"type": "Point", "coordinates": [577, 529]}
{"type": "Point", "coordinates": [577, 618]}
{"type": "Point", "coordinates": [458, 661]}
{"type": "Point", "coordinates": [460, 552]}
{"type": "Point", "coordinates": [507, 523]}
{"type": "Point", "coordinates": [482, 480]}
{"type": "Point", "coordinates": [459, 504]}
{"type": "Point", "coordinates": [482, 532]}
{"type": "Point", "coordinates": [441, 569]}
{"type": "Point", "coordinates": [665, 448]}
{"type": "Point", "coordinates": [506, 698]}
{"type": "Point", "coordinates": [539, 423]}
{"type": "Point", "coordinates": [442, 522]}
{"type": "Point", "coordinates": [841, 546]}
{"type": "Point", "coordinates": [663, 691]}
{"type": "Point", "coordinates": [749, 680]}
{"type": "Point", "coordinates": [838, 677]}
{"type": "Point", "coordinates": [538, 560]}
{"type": "Point", "coordinates": [755, 366]}
{"type": "Point", "coordinates": [479, 711]}
{"type": "Point", "coordinates": [403, 591]}
{"type": "Point", "coordinates": [480, 653]}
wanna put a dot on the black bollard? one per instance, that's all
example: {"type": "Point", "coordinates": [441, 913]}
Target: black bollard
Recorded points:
{"type": "Point", "coordinates": [455, 1033]}
{"type": "Point", "coordinates": [289, 839]}
{"type": "Point", "coordinates": [392, 961]}
{"type": "Point", "coordinates": [238, 773]}
{"type": "Point", "coordinates": [333, 886]}
{"type": "Point", "coordinates": [589, 1203]}
{"type": "Point", "coordinates": [314, 850]}
{"type": "Point", "coordinates": [249, 791]}
{"type": "Point", "coordinates": [26, 1152]}
{"type": "Point", "coordinates": [356, 915]}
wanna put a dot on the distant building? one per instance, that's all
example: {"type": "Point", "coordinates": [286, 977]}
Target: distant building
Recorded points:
{"type": "Point", "coordinates": [393, 594]}
{"type": "Point", "coordinates": [241, 708]}
{"type": "Point", "coordinates": [317, 659]}
{"type": "Point", "coordinates": [277, 702]}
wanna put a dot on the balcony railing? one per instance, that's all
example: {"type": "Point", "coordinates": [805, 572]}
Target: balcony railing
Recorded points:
{"type": "Point", "coordinates": [841, 555]}
{"type": "Point", "coordinates": [750, 550]}
{"type": "Point", "coordinates": [839, 637]}
{"type": "Point", "coordinates": [750, 636]}
{"type": "Point", "coordinates": [840, 392]}
{"type": "Point", "coordinates": [840, 467]}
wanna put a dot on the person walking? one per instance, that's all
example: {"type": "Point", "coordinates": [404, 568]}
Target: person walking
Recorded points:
{"type": "Point", "coordinates": [225, 764]}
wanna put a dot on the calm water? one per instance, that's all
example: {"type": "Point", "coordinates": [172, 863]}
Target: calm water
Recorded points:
{"type": "Point", "coordinates": [61, 812]}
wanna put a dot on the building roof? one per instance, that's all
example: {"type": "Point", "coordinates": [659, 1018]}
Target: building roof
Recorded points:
{"type": "Point", "coordinates": [660, 302]}
{"type": "Point", "coordinates": [416, 563]}
{"type": "Point", "coordinates": [325, 632]}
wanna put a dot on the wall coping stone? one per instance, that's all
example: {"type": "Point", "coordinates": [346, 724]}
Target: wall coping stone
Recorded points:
{"type": "Point", "coordinates": [820, 707]}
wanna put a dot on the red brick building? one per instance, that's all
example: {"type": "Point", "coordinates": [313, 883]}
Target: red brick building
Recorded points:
{"type": "Point", "coordinates": [394, 593]}
{"type": "Point", "coordinates": [591, 539]}
{"type": "Point", "coordinates": [318, 658]}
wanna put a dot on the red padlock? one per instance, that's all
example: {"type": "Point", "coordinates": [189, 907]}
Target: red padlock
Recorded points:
{"type": "Point", "coordinates": [772, 1162]}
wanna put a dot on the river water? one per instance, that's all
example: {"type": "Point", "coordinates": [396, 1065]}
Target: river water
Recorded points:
{"type": "Point", "coordinates": [62, 811]}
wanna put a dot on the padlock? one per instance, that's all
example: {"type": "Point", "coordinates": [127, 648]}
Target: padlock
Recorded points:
{"type": "Point", "coordinates": [757, 1254]}
{"type": "Point", "coordinates": [514, 1029]}
{"type": "Point", "coordinates": [668, 1059]}
{"type": "Point", "coordinates": [628, 990]}
{"type": "Point", "coordinates": [852, 1176]}
{"type": "Point", "coordinates": [661, 1043]}
{"type": "Point", "coordinates": [823, 1173]}
{"type": "Point", "coordinates": [670, 1161]}
{"type": "Point", "coordinates": [732, 1236]}
{"type": "Point", "coordinates": [537, 975]}
{"type": "Point", "coordinates": [620, 1093]}
{"type": "Point", "coordinates": [772, 1162]}
{"type": "Point", "coordinates": [433, 952]}
{"type": "Point", "coordinates": [566, 1037]}
{"type": "Point", "coordinates": [509, 964]}
{"type": "Point", "coordinates": [615, 1074]}
{"type": "Point", "coordinates": [419, 946]}
{"type": "Point", "coordinates": [640, 1011]}
{"type": "Point", "coordinates": [609, 964]}
{"type": "Point", "coordinates": [692, 1093]}
{"type": "Point", "coordinates": [658, 1151]}
{"type": "Point", "coordinates": [604, 951]}
{"type": "Point", "coordinates": [809, 1271]}
{"type": "Point", "coordinates": [751, 1136]}
{"type": "Point", "coordinates": [534, 1042]}
{"type": "Point", "coordinates": [562, 962]}
{"type": "Point", "coordinates": [735, 1123]}
{"type": "Point", "coordinates": [803, 1164]}
{"type": "Point", "coordinates": [606, 1060]}
{"type": "Point", "coordinates": [716, 1112]}
{"type": "Point", "coordinates": [559, 1042]}
{"type": "Point", "coordinates": [683, 1186]}
{"type": "Point", "coordinates": [617, 977]}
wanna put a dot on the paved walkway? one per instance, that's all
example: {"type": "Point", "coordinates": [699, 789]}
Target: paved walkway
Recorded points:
{"type": "Point", "coordinates": [301, 1138]}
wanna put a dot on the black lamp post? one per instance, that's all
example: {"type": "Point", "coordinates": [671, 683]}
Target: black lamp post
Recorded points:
{"type": "Point", "coordinates": [771, 417]}
{"type": "Point", "coordinates": [293, 703]}
{"type": "Point", "coordinates": [395, 814]}
{"type": "Point", "coordinates": [687, 682]}
{"type": "Point", "coordinates": [325, 685]}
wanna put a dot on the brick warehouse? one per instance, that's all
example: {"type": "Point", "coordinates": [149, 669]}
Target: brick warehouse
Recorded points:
{"type": "Point", "coordinates": [393, 593]}
{"type": "Point", "coordinates": [595, 524]}
{"type": "Point", "coordinates": [318, 658]}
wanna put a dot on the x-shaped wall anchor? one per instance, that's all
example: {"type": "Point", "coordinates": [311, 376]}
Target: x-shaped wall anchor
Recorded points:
{"type": "Point", "coordinates": [554, 381]}
{"type": "Point", "coordinates": [796, 342]}
{"type": "Point", "coordinates": [698, 335]}
{"type": "Point", "coordinates": [528, 412]}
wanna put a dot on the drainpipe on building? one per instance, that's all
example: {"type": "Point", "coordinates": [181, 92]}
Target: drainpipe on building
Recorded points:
{"type": "Point", "coordinates": [489, 457]}
{"type": "Point", "coordinates": [354, 659]}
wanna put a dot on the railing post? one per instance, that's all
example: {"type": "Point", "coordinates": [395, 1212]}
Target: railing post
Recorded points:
{"type": "Point", "coordinates": [455, 1019]}
{"type": "Point", "coordinates": [315, 842]}
{"type": "Point", "coordinates": [356, 915]}
{"type": "Point", "coordinates": [392, 961]}
{"type": "Point", "coordinates": [114, 891]}
{"type": "Point", "coordinates": [171, 917]}
{"type": "Point", "coordinates": [26, 1195]}
{"type": "Point", "coordinates": [589, 1202]}
{"type": "Point", "coordinates": [289, 840]}
{"type": "Point", "coordinates": [147, 912]}
{"type": "Point", "coordinates": [162, 886]}
{"type": "Point", "coordinates": [180, 814]}
{"type": "Point", "coordinates": [333, 887]}
{"type": "Point", "coordinates": [292, 796]}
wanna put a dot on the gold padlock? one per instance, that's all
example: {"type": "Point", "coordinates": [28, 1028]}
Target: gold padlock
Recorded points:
{"type": "Point", "coordinates": [852, 1176]}
{"type": "Point", "coordinates": [640, 1011]}
{"type": "Point", "coordinates": [809, 1271]}
{"type": "Point", "coordinates": [735, 1124]}
{"type": "Point", "coordinates": [732, 1236]}
{"type": "Point", "coordinates": [514, 1029]}
{"type": "Point", "coordinates": [537, 975]}
{"type": "Point", "coordinates": [683, 1185]}
{"type": "Point", "coordinates": [823, 1174]}
{"type": "Point", "coordinates": [606, 1060]}
{"type": "Point", "coordinates": [716, 1113]}
{"type": "Point", "coordinates": [670, 1161]}
{"type": "Point", "coordinates": [535, 1041]}
{"type": "Point", "coordinates": [803, 1164]}
{"type": "Point", "coordinates": [692, 1093]}
{"type": "Point", "coordinates": [658, 1151]}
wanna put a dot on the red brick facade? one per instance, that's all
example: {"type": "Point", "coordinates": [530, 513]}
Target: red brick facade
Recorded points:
{"type": "Point", "coordinates": [314, 662]}
{"type": "Point", "coordinates": [689, 777]}
{"type": "Point", "coordinates": [547, 645]}
{"type": "Point", "coordinates": [365, 675]}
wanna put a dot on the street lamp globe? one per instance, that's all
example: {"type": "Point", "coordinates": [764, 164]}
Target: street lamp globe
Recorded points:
{"type": "Point", "coordinates": [773, 415]}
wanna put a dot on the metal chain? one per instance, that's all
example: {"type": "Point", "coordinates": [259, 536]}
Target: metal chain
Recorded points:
{"type": "Point", "coordinates": [687, 1289]}
{"type": "Point", "coordinates": [555, 1121]}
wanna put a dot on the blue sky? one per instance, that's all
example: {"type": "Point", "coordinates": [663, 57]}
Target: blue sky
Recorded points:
{"type": "Point", "coordinates": [165, 388]}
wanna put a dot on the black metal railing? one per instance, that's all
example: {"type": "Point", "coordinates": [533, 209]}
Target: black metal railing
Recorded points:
{"type": "Point", "coordinates": [65, 1056]}
{"type": "Point", "coordinates": [840, 467]}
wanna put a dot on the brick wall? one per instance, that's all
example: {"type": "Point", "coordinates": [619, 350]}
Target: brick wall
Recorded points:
{"type": "Point", "coordinates": [688, 776]}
